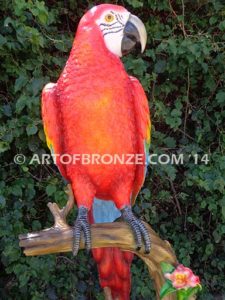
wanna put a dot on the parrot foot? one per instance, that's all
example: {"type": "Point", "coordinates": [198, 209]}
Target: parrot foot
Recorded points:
{"type": "Point", "coordinates": [81, 224]}
{"type": "Point", "coordinates": [138, 228]}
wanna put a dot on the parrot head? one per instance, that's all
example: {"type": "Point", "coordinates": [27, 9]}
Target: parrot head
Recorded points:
{"type": "Point", "coordinates": [121, 31]}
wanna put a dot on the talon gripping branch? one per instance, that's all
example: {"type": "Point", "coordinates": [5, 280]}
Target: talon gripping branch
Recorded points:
{"type": "Point", "coordinates": [97, 108]}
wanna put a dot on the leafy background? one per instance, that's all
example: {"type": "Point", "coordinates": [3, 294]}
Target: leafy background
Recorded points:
{"type": "Point", "coordinates": [182, 71]}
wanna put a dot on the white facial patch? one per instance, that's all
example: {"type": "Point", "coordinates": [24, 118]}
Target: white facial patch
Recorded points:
{"type": "Point", "coordinates": [112, 24]}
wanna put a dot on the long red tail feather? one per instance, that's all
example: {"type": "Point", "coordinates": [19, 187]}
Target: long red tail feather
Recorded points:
{"type": "Point", "coordinates": [114, 271]}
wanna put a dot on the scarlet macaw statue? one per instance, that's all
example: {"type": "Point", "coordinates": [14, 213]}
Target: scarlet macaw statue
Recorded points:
{"type": "Point", "coordinates": [96, 108]}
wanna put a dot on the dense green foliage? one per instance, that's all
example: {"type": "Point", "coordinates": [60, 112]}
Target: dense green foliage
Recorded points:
{"type": "Point", "coordinates": [182, 71]}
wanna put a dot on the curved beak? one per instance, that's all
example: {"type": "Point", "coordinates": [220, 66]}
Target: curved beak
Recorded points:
{"type": "Point", "coordinates": [134, 34]}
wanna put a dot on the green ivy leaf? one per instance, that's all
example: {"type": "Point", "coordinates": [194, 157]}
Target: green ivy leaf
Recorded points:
{"type": "Point", "coordinates": [4, 146]}
{"type": "Point", "coordinates": [220, 97]}
{"type": "Point", "coordinates": [135, 3]}
{"type": "Point", "coordinates": [50, 189]}
{"type": "Point", "coordinates": [222, 25]}
{"type": "Point", "coordinates": [20, 82]}
{"type": "Point", "coordinates": [31, 129]}
{"type": "Point", "coordinates": [160, 66]}
{"type": "Point", "coordinates": [2, 201]}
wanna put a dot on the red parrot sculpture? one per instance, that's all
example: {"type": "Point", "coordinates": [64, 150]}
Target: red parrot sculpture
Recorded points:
{"type": "Point", "coordinates": [96, 108]}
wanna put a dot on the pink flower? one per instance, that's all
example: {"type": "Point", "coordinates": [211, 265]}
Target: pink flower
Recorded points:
{"type": "Point", "coordinates": [183, 277]}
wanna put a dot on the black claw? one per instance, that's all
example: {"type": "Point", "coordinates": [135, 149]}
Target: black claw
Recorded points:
{"type": "Point", "coordinates": [137, 233]}
{"type": "Point", "coordinates": [76, 239]}
{"type": "Point", "coordinates": [138, 228]}
{"type": "Point", "coordinates": [81, 224]}
{"type": "Point", "coordinates": [146, 237]}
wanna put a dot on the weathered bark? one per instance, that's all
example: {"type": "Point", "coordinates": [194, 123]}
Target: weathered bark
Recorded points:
{"type": "Point", "coordinates": [59, 238]}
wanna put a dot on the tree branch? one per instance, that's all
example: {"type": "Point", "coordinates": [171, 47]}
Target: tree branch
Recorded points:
{"type": "Point", "coordinates": [61, 214]}
{"type": "Point", "coordinates": [59, 238]}
{"type": "Point", "coordinates": [181, 23]}
{"type": "Point", "coordinates": [118, 234]}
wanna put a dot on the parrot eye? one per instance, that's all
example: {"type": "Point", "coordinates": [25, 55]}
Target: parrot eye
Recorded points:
{"type": "Point", "coordinates": [109, 18]}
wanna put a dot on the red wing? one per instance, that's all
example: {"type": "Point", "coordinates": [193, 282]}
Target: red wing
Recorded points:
{"type": "Point", "coordinates": [144, 128]}
{"type": "Point", "coordinates": [52, 124]}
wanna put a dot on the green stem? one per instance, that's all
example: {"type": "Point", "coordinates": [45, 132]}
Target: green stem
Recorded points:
{"type": "Point", "coordinates": [180, 296]}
